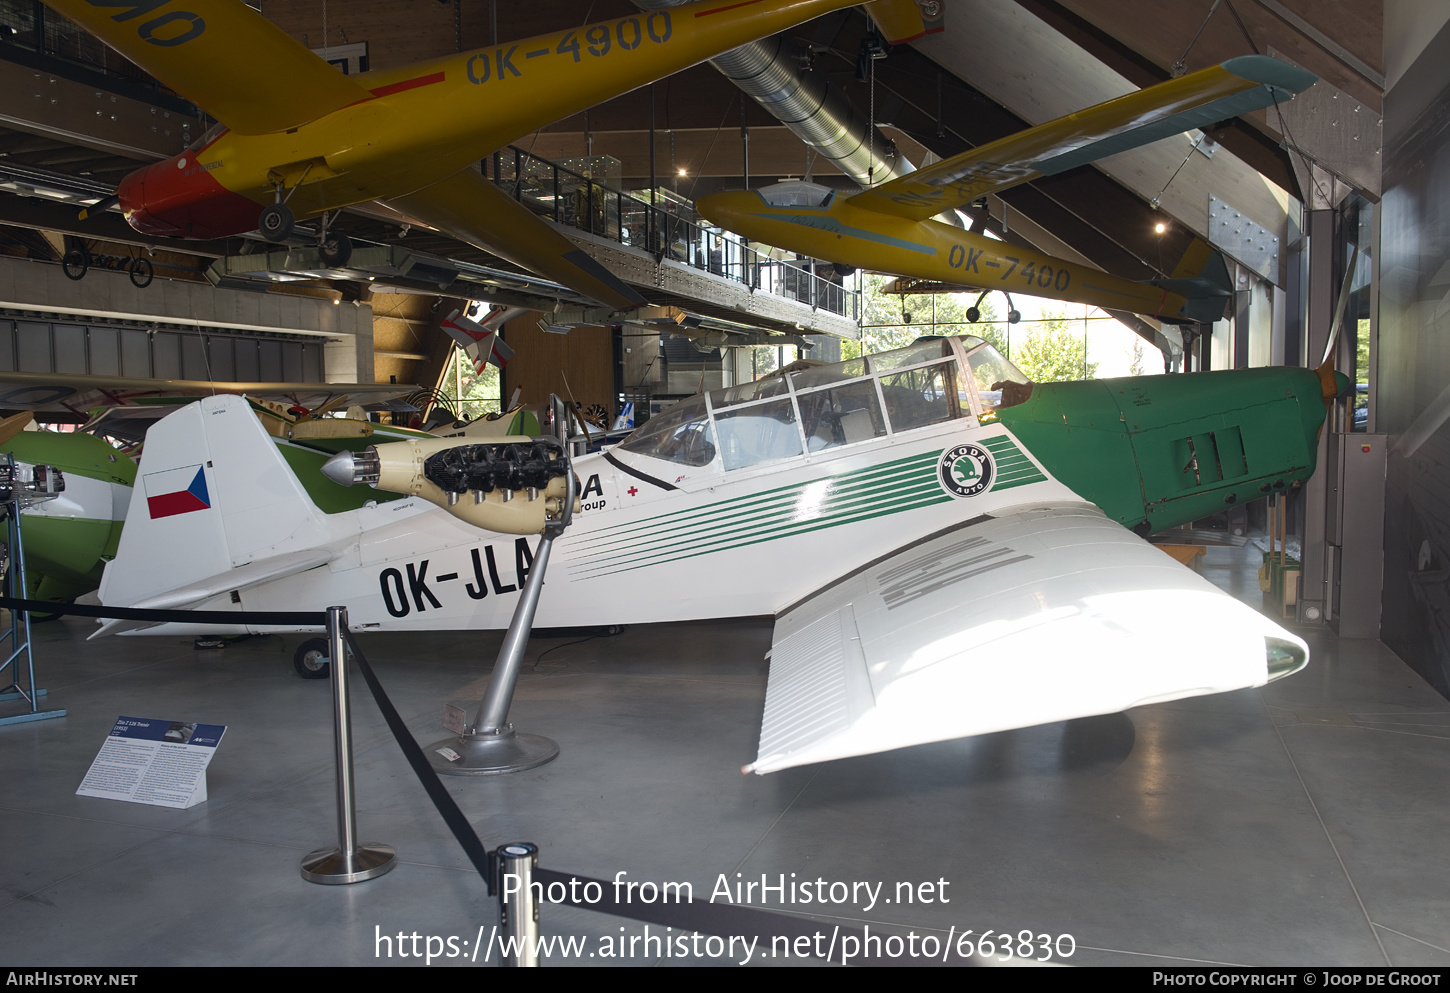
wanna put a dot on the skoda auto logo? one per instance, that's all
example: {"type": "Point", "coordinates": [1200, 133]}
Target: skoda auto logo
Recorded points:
{"type": "Point", "coordinates": [965, 470]}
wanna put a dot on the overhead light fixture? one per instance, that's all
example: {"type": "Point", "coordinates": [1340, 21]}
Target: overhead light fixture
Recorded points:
{"type": "Point", "coordinates": [1160, 227]}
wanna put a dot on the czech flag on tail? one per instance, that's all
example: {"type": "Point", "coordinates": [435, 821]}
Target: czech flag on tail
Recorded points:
{"type": "Point", "coordinates": [176, 491]}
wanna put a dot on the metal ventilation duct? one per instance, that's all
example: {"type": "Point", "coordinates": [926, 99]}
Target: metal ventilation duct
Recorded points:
{"type": "Point", "coordinates": [822, 117]}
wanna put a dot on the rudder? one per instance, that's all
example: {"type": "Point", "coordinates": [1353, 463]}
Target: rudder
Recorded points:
{"type": "Point", "coordinates": [213, 493]}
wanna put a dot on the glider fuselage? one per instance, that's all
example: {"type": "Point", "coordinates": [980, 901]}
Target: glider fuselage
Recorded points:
{"type": "Point", "coordinates": [419, 124]}
{"type": "Point", "coordinates": [842, 232]}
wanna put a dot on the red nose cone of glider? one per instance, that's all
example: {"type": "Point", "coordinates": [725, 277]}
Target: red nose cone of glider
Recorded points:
{"type": "Point", "coordinates": [179, 198]}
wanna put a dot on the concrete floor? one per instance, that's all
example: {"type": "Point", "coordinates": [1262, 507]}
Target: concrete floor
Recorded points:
{"type": "Point", "coordinates": [1295, 825]}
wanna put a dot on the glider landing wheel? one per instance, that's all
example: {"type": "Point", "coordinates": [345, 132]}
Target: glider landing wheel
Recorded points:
{"type": "Point", "coordinates": [973, 315]}
{"type": "Point", "coordinates": [276, 222]}
{"type": "Point", "coordinates": [1013, 316]}
{"type": "Point", "coordinates": [335, 249]}
{"type": "Point", "coordinates": [311, 661]}
{"type": "Point", "coordinates": [75, 264]}
{"type": "Point", "coordinates": [141, 273]}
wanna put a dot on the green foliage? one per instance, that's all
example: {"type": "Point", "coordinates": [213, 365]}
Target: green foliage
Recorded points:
{"type": "Point", "coordinates": [1053, 352]}
{"type": "Point", "coordinates": [481, 392]}
{"type": "Point", "coordinates": [891, 320]}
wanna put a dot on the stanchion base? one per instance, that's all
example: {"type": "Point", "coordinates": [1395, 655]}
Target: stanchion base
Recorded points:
{"type": "Point", "coordinates": [327, 865]}
{"type": "Point", "coordinates": [39, 715]}
{"type": "Point", "coordinates": [491, 754]}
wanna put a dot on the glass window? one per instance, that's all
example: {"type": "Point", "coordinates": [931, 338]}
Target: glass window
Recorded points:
{"type": "Point", "coordinates": [923, 350]}
{"type": "Point", "coordinates": [841, 415]}
{"type": "Point", "coordinates": [999, 382]}
{"type": "Point", "coordinates": [920, 397]}
{"type": "Point", "coordinates": [820, 375]}
{"type": "Point", "coordinates": [760, 433]}
{"type": "Point", "coordinates": [771, 386]}
{"type": "Point", "coordinates": [680, 434]}
{"type": "Point", "coordinates": [795, 193]}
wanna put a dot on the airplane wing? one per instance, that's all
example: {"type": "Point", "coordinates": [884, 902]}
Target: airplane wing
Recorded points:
{"type": "Point", "coordinates": [1193, 101]}
{"type": "Point", "coordinates": [1039, 615]}
{"type": "Point", "coordinates": [77, 394]}
{"type": "Point", "coordinates": [224, 57]}
{"type": "Point", "coordinates": [469, 207]}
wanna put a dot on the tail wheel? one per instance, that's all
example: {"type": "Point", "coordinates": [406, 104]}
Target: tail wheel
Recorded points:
{"type": "Point", "coordinates": [141, 273]}
{"type": "Point", "coordinates": [311, 661]}
{"type": "Point", "coordinates": [335, 250]}
{"type": "Point", "coordinates": [76, 263]}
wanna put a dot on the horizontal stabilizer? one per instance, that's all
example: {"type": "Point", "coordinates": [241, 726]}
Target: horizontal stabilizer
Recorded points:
{"type": "Point", "coordinates": [233, 580]}
{"type": "Point", "coordinates": [1202, 279]}
{"type": "Point", "coordinates": [1043, 615]}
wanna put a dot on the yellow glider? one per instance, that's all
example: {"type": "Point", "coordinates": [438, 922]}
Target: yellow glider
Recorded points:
{"type": "Point", "coordinates": [300, 139]}
{"type": "Point", "coordinates": [888, 228]}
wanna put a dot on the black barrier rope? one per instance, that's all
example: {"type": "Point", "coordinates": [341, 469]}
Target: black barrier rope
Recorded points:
{"type": "Point", "coordinates": [277, 618]}
{"type": "Point", "coordinates": [447, 809]}
{"type": "Point", "coordinates": [691, 915]}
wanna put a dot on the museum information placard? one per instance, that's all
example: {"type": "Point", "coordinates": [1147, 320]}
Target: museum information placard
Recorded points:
{"type": "Point", "coordinates": [162, 763]}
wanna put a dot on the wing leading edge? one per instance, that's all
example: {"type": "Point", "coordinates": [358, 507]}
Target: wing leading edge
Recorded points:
{"type": "Point", "coordinates": [1139, 118]}
{"type": "Point", "coordinates": [1045, 614]}
{"type": "Point", "coordinates": [469, 207]}
{"type": "Point", "coordinates": [224, 56]}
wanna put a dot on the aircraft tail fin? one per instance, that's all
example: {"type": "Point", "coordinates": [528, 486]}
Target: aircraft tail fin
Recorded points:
{"type": "Point", "coordinates": [1202, 279]}
{"type": "Point", "coordinates": [213, 496]}
{"type": "Point", "coordinates": [901, 21]}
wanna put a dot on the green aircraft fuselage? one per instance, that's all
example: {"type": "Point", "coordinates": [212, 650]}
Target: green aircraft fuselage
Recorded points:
{"type": "Point", "coordinates": [1162, 451]}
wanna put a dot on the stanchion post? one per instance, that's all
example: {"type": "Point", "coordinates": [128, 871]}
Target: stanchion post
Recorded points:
{"type": "Point", "coordinates": [518, 909]}
{"type": "Point", "coordinates": [349, 862]}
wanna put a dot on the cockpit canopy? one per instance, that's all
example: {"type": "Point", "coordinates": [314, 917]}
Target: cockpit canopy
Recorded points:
{"type": "Point", "coordinates": [821, 407]}
{"type": "Point", "coordinates": [796, 193]}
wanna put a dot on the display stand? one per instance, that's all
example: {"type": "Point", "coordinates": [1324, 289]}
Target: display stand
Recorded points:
{"type": "Point", "coordinates": [45, 484]}
{"type": "Point", "coordinates": [489, 745]}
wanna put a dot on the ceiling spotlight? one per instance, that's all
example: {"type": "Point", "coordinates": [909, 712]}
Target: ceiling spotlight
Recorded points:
{"type": "Point", "coordinates": [681, 171]}
{"type": "Point", "coordinates": [1160, 227]}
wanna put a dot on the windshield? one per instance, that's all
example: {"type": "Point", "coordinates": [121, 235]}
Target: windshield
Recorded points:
{"type": "Point", "coordinates": [815, 408]}
{"type": "Point", "coordinates": [795, 193]}
{"type": "Point", "coordinates": [680, 434]}
{"type": "Point", "coordinates": [999, 382]}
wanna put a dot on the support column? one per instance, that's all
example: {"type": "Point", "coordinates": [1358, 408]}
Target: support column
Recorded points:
{"type": "Point", "coordinates": [1321, 237]}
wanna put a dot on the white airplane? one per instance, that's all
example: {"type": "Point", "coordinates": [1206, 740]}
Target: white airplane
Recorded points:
{"type": "Point", "coordinates": [946, 547]}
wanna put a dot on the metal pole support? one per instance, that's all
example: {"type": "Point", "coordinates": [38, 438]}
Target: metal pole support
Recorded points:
{"type": "Point", "coordinates": [489, 745]}
{"type": "Point", "coordinates": [518, 909]}
{"type": "Point", "coordinates": [349, 862]}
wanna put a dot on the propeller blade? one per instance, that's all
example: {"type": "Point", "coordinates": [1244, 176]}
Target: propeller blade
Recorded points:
{"type": "Point", "coordinates": [100, 208]}
{"type": "Point", "coordinates": [13, 425]}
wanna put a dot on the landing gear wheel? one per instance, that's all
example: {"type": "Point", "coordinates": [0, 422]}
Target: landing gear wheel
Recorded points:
{"type": "Point", "coordinates": [141, 273]}
{"type": "Point", "coordinates": [335, 250]}
{"type": "Point", "coordinates": [276, 222]}
{"type": "Point", "coordinates": [973, 315]}
{"type": "Point", "coordinates": [311, 661]}
{"type": "Point", "coordinates": [76, 263]}
{"type": "Point", "coordinates": [1013, 316]}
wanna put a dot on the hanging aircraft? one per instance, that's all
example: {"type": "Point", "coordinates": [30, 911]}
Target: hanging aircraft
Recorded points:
{"type": "Point", "coordinates": [298, 139]}
{"type": "Point", "coordinates": [888, 228]}
{"type": "Point", "coordinates": [948, 549]}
